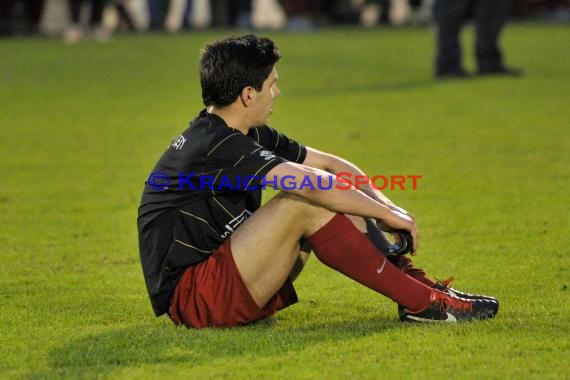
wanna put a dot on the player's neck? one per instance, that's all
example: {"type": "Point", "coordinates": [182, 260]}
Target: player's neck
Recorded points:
{"type": "Point", "coordinates": [231, 117]}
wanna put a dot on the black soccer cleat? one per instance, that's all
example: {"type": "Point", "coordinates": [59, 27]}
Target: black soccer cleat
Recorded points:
{"type": "Point", "coordinates": [445, 307]}
{"type": "Point", "coordinates": [443, 286]}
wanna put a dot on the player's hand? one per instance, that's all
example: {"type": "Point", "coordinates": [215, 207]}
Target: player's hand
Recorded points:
{"type": "Point", "coordinates": [396, 221]}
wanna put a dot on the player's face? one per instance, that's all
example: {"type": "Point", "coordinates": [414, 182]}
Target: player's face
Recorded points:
{"type": "Point", "coordinates": [266, 97]}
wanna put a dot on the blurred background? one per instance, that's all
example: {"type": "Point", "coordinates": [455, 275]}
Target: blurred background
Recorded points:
{"type": "Point", "coordinates": [82, 123]}
{"type": "Point", "coordinates": [73, 20]}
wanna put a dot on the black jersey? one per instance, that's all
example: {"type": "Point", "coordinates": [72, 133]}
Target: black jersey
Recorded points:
{"type": "Point", "coordinates": [210, 174]}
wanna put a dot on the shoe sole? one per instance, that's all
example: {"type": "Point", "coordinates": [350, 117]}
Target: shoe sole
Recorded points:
{"type": "Point", "coordinates": [410, 318]}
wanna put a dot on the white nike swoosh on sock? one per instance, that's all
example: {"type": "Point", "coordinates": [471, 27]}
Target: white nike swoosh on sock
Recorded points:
{"type": "Point", "coordinates": [381, 269]}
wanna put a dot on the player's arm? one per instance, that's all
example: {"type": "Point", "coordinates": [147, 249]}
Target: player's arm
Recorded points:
{"type": "Point", "coordinates": [334, 164]}
{"type": "Point", "coordinates": [338, 198]}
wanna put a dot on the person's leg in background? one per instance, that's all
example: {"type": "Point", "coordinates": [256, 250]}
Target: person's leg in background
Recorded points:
{"type": "Point", "coordinates": [20, 16]}
{"type": "Point", "coordinates": [158, 10]}
{"type": "Point", "coordinates": [74, 32]}
{"type": "Point", "coordinates": [298, 19]}
{"type": "Point", "coordinates": [243, 13]}
{"type": "Point", "coordinates": [221, 13]}
{"type": "Point", "coordinates": [34, 10]}
{"type": "Point", "coordinates": [101, 32]}
{"type": "Point", "coordinates": [449, 16]}
{"type": "Point", "coordinates": [491, 16]}
{"type": "Point", "coordinates": [175, 16]}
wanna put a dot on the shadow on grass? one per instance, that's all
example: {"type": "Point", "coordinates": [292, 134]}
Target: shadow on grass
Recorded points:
{"type": "Point", "coordinates": [151, 343]}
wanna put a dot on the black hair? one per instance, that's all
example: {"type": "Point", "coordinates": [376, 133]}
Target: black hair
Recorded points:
{"type": "Point", "coordinates": [229, 65]}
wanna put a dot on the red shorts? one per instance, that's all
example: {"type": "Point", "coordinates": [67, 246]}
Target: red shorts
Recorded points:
{"type": "Point", "coordinates": [213, 294]}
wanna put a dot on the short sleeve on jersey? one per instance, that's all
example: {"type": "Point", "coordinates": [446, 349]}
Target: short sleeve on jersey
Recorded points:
{"type": "Point", "coordinates": [279, 144]}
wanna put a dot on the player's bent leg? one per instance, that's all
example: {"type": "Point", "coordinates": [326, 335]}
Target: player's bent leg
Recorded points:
{"type": "Point", "coordinates": [266, 246]}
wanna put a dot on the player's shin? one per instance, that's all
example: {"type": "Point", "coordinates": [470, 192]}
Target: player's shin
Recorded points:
{"type": "Point", "coordinates": [342, 246]}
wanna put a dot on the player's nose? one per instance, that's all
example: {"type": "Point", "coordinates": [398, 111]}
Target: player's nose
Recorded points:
{"type": "Point", "coordinates": [276, 92]}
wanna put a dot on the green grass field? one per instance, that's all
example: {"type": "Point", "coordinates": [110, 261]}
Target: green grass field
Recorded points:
{"type": "Point", "coordinates": [82, 126]}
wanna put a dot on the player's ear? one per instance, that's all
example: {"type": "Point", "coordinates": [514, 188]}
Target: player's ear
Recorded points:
{"type": "Point", "coordinates": [247, 95]}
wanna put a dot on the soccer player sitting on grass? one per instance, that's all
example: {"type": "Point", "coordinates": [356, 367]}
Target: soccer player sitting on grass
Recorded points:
{"type": "Point", "coordinates": [212, 256]}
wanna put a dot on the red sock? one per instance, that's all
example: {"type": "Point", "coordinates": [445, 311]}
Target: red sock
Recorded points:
{"type": "Point", "coordinates": [406, 266]}
{"type": "Point", "coordinates": [341, 246]}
